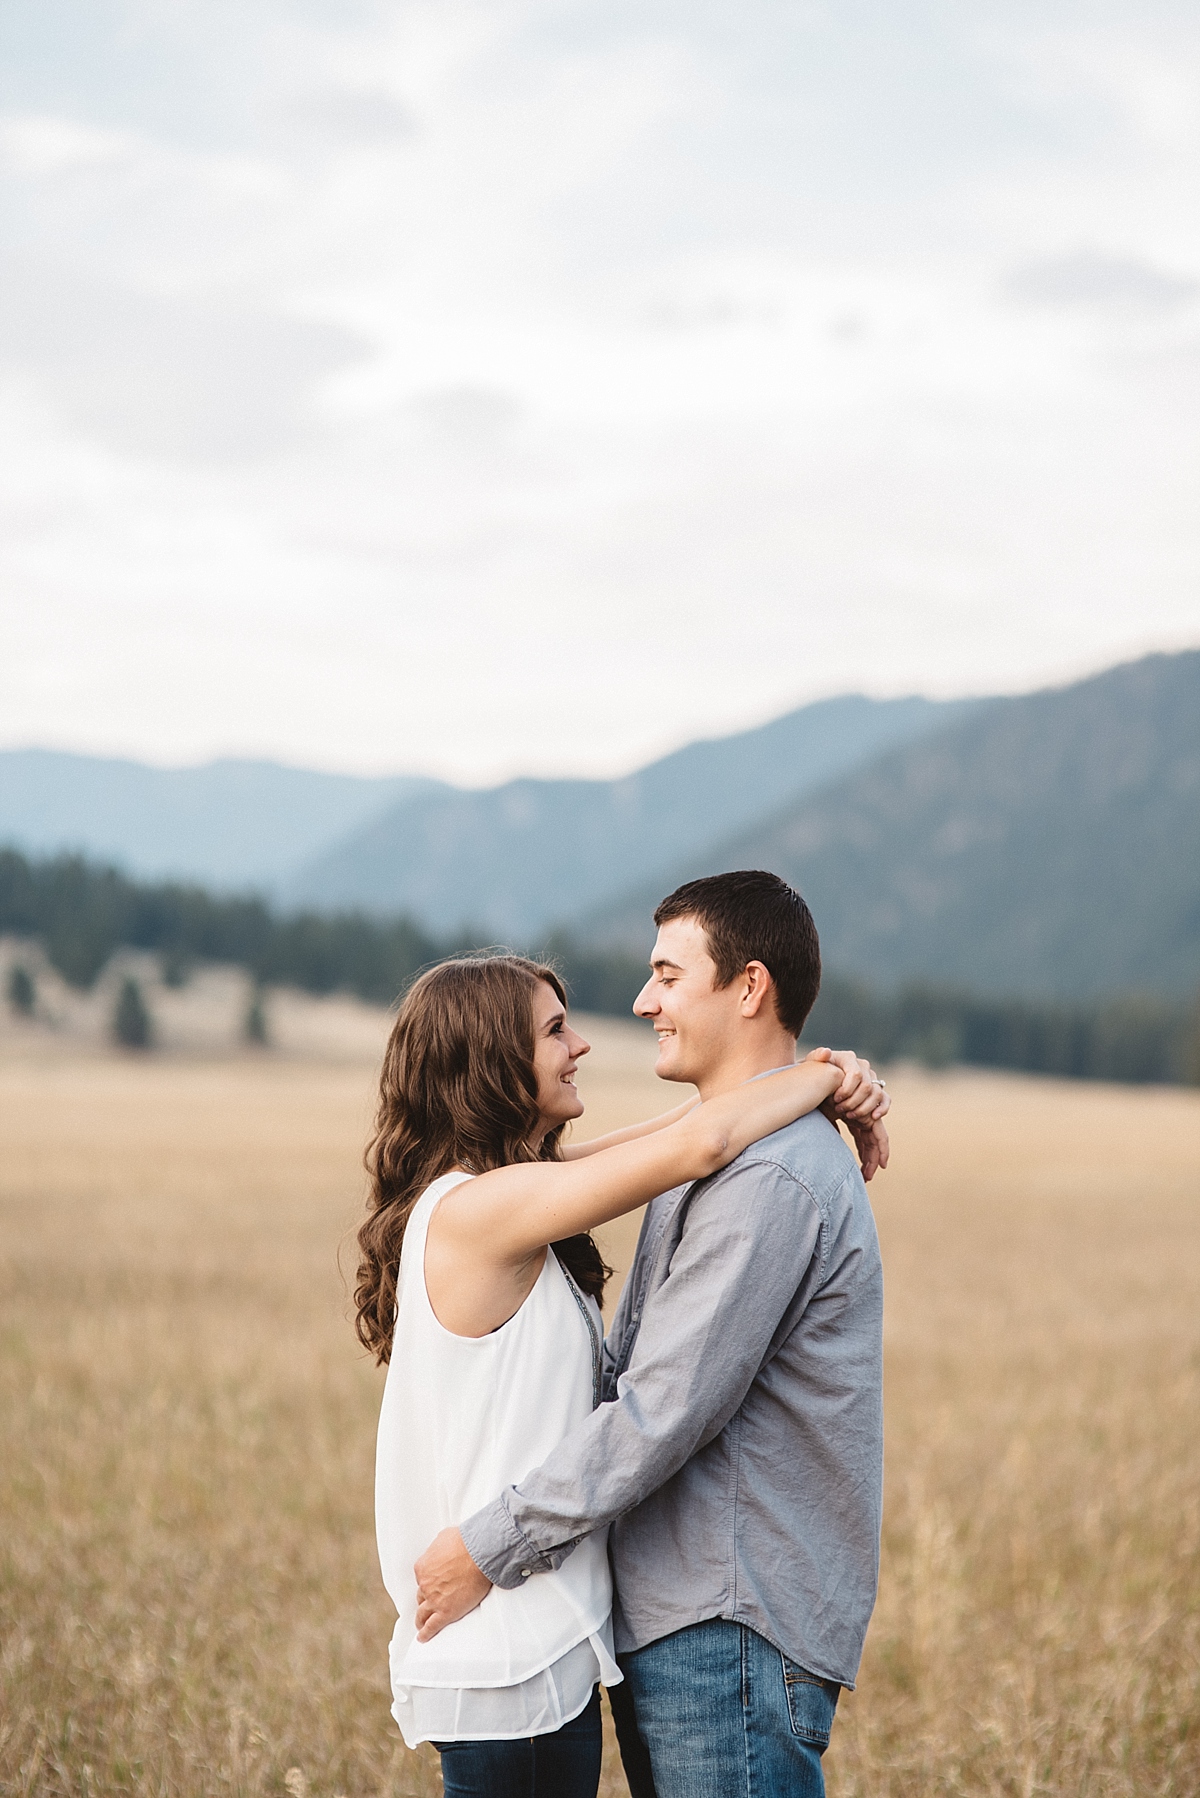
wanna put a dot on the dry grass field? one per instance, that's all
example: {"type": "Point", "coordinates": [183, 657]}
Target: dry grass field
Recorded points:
{"type": "Point", "coordinates": [188, 1593]}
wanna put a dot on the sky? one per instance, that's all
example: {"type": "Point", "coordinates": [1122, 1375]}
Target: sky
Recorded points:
{"type": "Point", "coordinates": [475, 389]}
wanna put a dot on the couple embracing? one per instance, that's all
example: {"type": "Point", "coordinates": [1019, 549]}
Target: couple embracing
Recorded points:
{"type": "Point", "coordinates": [687, 1512]}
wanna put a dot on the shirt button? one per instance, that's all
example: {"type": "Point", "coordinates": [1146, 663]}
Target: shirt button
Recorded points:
{"type": "Point", "coordinates": [525, 1572]}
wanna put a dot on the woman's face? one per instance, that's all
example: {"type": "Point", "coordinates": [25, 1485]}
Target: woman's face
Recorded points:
{"type": "Point", "coordinates": [556, 1052]}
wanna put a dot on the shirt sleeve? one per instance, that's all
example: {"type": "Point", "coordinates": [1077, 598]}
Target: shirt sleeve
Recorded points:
{"type": "Point", "coordinates": [748, 1241]}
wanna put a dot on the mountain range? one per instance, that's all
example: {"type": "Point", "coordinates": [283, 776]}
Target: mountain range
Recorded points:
{"type": "Point", "coordinates": [518, 859]}
{"type": "Point", "coordinates": [229, 825]}
{"type": "Point", "coordinates": [514, 859]}
{"type": "Point", "coordinates": [1044, 845]}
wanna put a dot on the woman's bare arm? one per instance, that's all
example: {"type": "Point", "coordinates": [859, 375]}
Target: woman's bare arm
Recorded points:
{"type": "Point", "coordinates": [858, 1098]}
{"type": "Point", "coordinates": [487, 1237]}
{"type": "Point", "coordinates": [575, 1151]}
{"type": "Point", "coordinates": [510, 1214]}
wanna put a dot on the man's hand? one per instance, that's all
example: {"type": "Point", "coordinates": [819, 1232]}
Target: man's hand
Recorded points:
{"type": "Point", "coordinates": [449, 1584]}
{"type": "Point", "coordinates": [861, 1102]}
{"type": "Point", "coordinates": [871, 1141]}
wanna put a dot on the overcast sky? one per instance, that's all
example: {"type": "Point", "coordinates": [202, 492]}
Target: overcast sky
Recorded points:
{"type": "Point", "coordinates": [532, 387]}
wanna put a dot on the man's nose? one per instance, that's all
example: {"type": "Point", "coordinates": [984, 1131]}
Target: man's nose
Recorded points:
{"type": "Point", "coordinates": [645, 1005]}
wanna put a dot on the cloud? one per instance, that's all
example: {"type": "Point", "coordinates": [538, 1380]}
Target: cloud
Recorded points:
{"type": "Point", "coordinates": [350, 115]}
{"type": "Point", "coordinates": [1092, 279]}
{"type": "Point", "coordinates": [45, 144]}
{"type": "Point", "coordinates": [364, 361]}
{"type": "Point", "coordinates": [464, 413]}
{"type": "Point", "coordinates": [167, 375]}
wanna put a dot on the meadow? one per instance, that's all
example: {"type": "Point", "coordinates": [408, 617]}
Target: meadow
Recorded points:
{"type": "Point", "coordinates": [189, 1598]}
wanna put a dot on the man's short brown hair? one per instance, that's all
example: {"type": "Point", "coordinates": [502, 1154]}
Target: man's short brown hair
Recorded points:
{"type": "Point", "coordinates": [754, 916]}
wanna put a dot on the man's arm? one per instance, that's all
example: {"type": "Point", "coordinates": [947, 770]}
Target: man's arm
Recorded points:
{"type": "Point", "coordinates": [749, 1239]}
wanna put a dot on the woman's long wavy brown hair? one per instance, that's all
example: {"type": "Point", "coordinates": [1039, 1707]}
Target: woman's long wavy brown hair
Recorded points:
{"type": "Point", "coordinates": [458, 1089]}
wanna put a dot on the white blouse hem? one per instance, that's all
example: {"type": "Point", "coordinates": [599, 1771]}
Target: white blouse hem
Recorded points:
{"type": "Point", "coordinates": [534, 1707]}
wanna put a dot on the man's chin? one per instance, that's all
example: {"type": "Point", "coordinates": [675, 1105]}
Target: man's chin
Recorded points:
{"type": "Point", "coordinates": [668, 1066]}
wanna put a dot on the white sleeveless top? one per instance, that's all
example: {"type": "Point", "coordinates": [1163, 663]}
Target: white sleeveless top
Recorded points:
{"type": "Point", "coordinates": [463, 1417]}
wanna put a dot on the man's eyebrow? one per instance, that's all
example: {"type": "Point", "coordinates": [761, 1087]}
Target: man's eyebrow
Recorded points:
{"type": "Point", "coordinates": [661, 961]}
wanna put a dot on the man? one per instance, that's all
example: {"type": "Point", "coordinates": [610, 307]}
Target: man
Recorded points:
{"type": "Point", "coordinates": [738, 1457]}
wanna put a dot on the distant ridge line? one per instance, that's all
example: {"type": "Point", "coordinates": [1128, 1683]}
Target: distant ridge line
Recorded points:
{"type": "Point", "coordinates": [1046, 842]}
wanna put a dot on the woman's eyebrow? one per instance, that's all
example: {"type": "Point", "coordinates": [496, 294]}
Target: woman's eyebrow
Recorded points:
{"type": "Point", "coordinates": [558, 1017]}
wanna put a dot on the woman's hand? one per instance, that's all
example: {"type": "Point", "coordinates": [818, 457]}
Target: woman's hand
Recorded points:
{"type": "Point", "coordinates": [862, 1094]}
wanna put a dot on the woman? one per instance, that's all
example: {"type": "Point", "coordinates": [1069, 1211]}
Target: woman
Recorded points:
{"type": "Point", "coordinates": [479, 1285]}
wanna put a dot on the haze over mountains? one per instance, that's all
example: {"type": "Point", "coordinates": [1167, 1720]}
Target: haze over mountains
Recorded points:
{"type": "Point", "coordinates": [514, 859]}
{"type": "Point", "coordinates": [229, 824]}
{"type": "Point", "coordinates": [519, 859]}
{"type": "Point", "coordinates": [1042, 845]}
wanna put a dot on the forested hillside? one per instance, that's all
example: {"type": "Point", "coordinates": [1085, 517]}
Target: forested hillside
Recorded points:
{"type": "Point", "coordinates": [79, 916]}
{"type": "Point", "coordinates": [81, 913]}
{"type": "Point", "coordinates": [1047, 845]}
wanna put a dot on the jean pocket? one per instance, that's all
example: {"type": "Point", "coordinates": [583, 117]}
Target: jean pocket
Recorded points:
{"type": "Point", "coordinates": [811, 1703]}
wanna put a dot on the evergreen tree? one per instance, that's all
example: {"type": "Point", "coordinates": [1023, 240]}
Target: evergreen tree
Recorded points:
{"type": "Point", "coordinates": [22, 994]}
{"type": "Point", "coordinates": [131, 1020]}
{"type": "Point", "coordinates": [176, 970]}
{"type": "Point", "coordinates": [256, 1019]}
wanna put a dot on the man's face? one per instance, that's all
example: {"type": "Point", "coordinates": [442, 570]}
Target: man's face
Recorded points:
{"type": "Point", "coordinates": [695, 1021]}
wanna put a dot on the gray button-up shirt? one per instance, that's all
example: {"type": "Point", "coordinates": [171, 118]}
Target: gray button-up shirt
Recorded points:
{"type": "Point", "coordinates": [739, 1452]}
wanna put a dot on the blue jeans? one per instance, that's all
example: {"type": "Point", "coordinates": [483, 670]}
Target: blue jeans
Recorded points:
{"type": "Point", "coordinates": [715, 1712]}
{"type": "Point", "coordinates": [565, 1764]}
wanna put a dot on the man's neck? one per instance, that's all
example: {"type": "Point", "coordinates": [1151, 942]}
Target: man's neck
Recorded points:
{"type": "Point", "coordinates": [746, 1061]}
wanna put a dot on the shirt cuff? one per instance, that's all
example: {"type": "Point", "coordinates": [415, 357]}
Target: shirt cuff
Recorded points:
{"type": "Point", "coordinates": [500, 1550]}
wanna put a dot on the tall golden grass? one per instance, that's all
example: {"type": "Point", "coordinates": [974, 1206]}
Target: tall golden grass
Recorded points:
{"type": "Point", "coordinates": [190, 1600]}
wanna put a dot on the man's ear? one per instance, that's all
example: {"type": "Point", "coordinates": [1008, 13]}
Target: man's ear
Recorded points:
{"type": "Point", "coordinates": [758, 989]}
